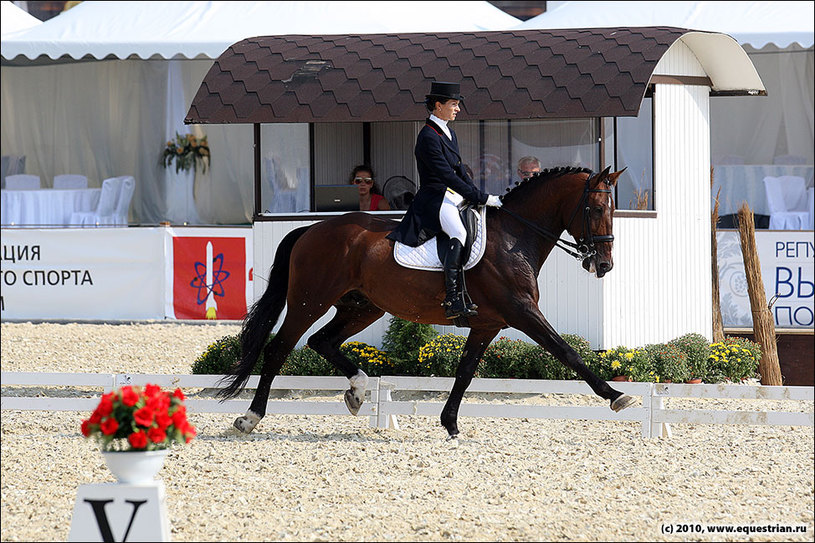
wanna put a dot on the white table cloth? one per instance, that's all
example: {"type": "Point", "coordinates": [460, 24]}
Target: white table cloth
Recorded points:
{"type": "Point", "coordinates": [745, 183]}
{"type": "Point", "coordinates": [46, 207]}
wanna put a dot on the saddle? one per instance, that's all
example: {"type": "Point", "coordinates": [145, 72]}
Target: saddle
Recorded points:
{"type": "Point", "coordinates": [430, 255]}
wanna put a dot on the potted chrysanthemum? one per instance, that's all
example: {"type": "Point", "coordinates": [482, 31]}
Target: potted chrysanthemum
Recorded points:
{"type": "Point", "coordinates": [135, 427]}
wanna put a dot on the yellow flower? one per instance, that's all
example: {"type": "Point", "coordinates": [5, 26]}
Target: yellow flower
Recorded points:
{"type": "Point", "coordinates": [629, 356]}
{"type": "Point", "coordinates": [616, 364]}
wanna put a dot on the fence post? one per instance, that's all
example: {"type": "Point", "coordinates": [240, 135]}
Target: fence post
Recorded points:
{"type": "Point", "coordinates": [373, 420]}
{"type": "Point", "coordinates": [659, 429]}
{"type": "Point", "coordinates": [384, 420]}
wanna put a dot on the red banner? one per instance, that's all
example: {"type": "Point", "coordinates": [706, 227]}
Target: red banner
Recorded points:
{"type": "Point", "coordinates": [209, 278]}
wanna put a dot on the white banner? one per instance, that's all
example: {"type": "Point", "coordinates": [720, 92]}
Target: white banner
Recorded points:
{"type": "Point", "coordinates": [786, 259]}
{"type": "Point", "coordinates": [98, 273]}
{"type": "Point", "coordinates": [126, 273]}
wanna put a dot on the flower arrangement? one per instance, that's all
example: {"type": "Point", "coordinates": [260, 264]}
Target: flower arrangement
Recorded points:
{"type": "Point", "coordinates": [697, 348]}
{"type": "Point", "coordinates": [635, 364]}
{"type": "Point", "coordinates": [669, 362]}
{"type": "Point", "coordinates": [733, 359]}
{"type": "Point", "coordinates": [440, 356]}
{"type": "Point", "coordinates": [188, 152]}
{"type": "Point", "coordinates": [368, 358]}
{"type": "Point", "coordinates": [139, 419]}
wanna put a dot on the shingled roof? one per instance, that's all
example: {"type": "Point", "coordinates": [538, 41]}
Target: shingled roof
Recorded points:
{"type": "Point", "coordinates": [600, 72]}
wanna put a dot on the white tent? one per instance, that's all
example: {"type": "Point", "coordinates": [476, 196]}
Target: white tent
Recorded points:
{"type": "Point", "coordinates": [100, 88]}
{"type": "Point", "coordinates": [14, 19]}
{"type": "Point", "coordinates": [760, 131]}
{"type": "Point", "coordinates": [750, 23]}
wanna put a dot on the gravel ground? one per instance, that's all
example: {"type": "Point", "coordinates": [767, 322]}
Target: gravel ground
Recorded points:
{"type": "Point", "coordinates": [329, 478]}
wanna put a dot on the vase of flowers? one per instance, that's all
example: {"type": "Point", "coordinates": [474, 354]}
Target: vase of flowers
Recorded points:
{"type": "Point", "coordinates": [135, 427]}
{"type": "Point", "coordinates": [188, 153]}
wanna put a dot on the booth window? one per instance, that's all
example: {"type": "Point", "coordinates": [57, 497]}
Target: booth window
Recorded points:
{"type": "Point", "coordinates": [629, 144]}
{"type": "Point", "coordinates": [297, 157]}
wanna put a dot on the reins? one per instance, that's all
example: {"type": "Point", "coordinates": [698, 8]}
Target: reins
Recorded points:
{"type": "Point", "coordinates": [584, 248]}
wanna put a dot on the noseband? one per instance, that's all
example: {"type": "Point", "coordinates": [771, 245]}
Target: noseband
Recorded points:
{"type": "Point", "coordinates": [585, 246]}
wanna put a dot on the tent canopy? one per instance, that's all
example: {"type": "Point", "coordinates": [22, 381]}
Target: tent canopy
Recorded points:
{"type": "Point", "coordinates": [602, 72]}
{"type": "Point", "coordinates": [750, 23]}
{"type": "Point", "coordinates": [169, 30]}
{"type": "Point", "coordinates": [14, 19]}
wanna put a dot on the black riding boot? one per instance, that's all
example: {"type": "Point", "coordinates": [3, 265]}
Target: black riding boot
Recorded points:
{"type": "Point", "coordinates": [454, 304]}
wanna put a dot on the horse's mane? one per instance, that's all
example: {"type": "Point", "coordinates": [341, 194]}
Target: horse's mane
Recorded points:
{"type": "Point", "coordinates": [541, 177]}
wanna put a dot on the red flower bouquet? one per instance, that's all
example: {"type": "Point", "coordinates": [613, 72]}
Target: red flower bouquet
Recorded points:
{"type": "Point", "coordinates": [139, 419]}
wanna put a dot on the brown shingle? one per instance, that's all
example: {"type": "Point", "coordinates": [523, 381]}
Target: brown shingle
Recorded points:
{"type": "Point", "coordinates": [375, 77]}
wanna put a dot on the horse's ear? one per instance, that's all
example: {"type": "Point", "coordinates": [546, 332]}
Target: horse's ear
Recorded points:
{"type": "Point", "coordinates": [600, 177]}
{"type": "Point", "coordinates": [611, 181]}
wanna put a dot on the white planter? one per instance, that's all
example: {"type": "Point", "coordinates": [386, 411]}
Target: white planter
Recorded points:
{"type": "Point", "coordinates": [134, 467]}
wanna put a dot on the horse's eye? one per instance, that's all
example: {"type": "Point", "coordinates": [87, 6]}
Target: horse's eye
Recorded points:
{"type": "Point", "coordinates": [598, 210]}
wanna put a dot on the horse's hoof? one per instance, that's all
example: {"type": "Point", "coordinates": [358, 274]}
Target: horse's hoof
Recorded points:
{"type": "Point", "coordinates": [352, 402]}
{"type": "Point", "coordinates": [247, 422]}
{"type": "Point", "coordinates": [243, 424]}
{"type": "Point", "coordinates": [451, 437]}
{"type": "Point", "coordinates": [622, 402]}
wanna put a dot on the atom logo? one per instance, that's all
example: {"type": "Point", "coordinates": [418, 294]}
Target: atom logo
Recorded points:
{"type": "Point", "coordinates": [219, 275]}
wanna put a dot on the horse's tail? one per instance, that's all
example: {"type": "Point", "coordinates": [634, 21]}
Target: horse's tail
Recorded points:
{"type": "Point", "coordinates": [262, 317]}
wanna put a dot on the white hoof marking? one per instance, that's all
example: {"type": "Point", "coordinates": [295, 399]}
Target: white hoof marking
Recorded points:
{"type": "Point", "coordinates": [247, 422]}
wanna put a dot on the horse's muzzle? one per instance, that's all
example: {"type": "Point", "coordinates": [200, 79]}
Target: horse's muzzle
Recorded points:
{"type": "Point", "coordinates": [597, 266]}
{"type": "Point", "coordinates": [603, 267]}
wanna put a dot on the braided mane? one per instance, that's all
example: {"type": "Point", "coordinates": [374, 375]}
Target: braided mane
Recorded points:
{"type": "Point", "coordinates": [543, 176]}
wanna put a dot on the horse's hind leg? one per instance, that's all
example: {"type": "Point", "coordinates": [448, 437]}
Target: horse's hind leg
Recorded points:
{"type": "Point", "coordinates": [274, 355]}
{"type": "Point", "coordinates": [354, 314]}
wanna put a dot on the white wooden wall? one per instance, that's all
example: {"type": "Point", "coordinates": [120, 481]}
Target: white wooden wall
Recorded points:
{"type": "Point", "coordinates": [660, 287]}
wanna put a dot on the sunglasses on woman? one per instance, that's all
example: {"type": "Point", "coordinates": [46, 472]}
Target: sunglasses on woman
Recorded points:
{"type": "Point", "coordinates": [366, 180]}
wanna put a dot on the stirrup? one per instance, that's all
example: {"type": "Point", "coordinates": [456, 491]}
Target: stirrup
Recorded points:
{"type": "Point", "coordinates": [454, 310]}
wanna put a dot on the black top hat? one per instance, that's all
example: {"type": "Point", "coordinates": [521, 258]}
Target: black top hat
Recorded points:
{"type": "Point", "coordinates": [441, 89]}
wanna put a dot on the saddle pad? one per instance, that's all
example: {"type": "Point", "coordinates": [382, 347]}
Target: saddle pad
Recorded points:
{"type": "Point", "coordinates": [426, 257]}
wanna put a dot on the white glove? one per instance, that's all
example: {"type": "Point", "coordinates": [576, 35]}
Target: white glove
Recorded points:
{"type": "Point", "coordinates": [494, 201]}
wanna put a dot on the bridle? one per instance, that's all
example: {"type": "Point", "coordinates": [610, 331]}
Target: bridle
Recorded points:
{"type": "Point", "coordinates": [585, 246]}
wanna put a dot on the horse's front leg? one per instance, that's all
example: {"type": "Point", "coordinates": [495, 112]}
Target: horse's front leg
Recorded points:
{"type": "Point", "coordinates": [531, 321]}
{"type": "Point", "coordinates": [477, 343]}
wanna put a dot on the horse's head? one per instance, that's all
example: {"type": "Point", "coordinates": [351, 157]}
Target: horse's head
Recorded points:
{"type": "Point", "coordinates": [592, 225]}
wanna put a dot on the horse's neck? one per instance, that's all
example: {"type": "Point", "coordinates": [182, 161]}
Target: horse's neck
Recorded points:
{"type": "Point", "coordinates": [550, 209]}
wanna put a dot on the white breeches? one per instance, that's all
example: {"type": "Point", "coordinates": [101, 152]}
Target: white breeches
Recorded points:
{"type": "Point", "coordinates": [449, 217]}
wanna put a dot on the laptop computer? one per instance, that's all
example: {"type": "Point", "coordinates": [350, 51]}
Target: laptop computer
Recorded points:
{"type": "Point", "coordinates": [336, 198]}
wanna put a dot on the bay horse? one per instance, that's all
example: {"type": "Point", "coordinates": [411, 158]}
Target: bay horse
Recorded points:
{"type": "Point", "coordinates": [342, 261]}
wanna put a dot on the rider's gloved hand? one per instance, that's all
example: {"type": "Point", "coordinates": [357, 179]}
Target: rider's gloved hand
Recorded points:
{"type": "Point", "coordinates": [494, 201]}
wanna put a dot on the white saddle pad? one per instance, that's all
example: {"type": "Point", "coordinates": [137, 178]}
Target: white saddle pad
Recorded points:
{"type": "Point", "coordinates": [426, 257]}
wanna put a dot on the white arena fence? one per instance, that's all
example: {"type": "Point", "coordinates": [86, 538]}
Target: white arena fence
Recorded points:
{"type": "Point", "coordinates": [383, 411]}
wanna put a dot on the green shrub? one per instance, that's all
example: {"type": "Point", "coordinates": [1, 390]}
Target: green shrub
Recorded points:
{"type": "Point", "coordinates": [369, 359]}
{"type": "Point", "coordinates": [221, 355]}
{"type": "Point", "coordinates": [697, 348]}
{"type": "Point", "coordinates": [509, 359]}
{"type": "Point", "coordinates": [546, 366]}
{"type": "Point", "coordinates": [402, 341]}
{"type": "Point", "coordinates": [440, 356]}
{"type": "Point", "coordinates": [734, 359]}
{"type": "Point", "coordinates": [669, 363]}
{"type": "Point", "coordinates": [307, 361]}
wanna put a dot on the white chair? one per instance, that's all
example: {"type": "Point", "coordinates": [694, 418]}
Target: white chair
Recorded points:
{"type": "Point", "coordinates": [126, 190]}
{"type": "Point", "coordinates": [103, 213]}
{"type": "Point", "coordinates": [790, 159]}
{"type": "Point", "coordinates": [70, 181]}
{"type": "Point", "coordinates": [11, 165]}
{"type": "Point", "coordinates": [787, 202]}
{"type": "Point", "coordinates": [23, 181]}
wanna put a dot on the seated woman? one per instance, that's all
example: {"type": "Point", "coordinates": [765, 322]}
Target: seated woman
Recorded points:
{"type": "Point", "coordinates": [369, 198]}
